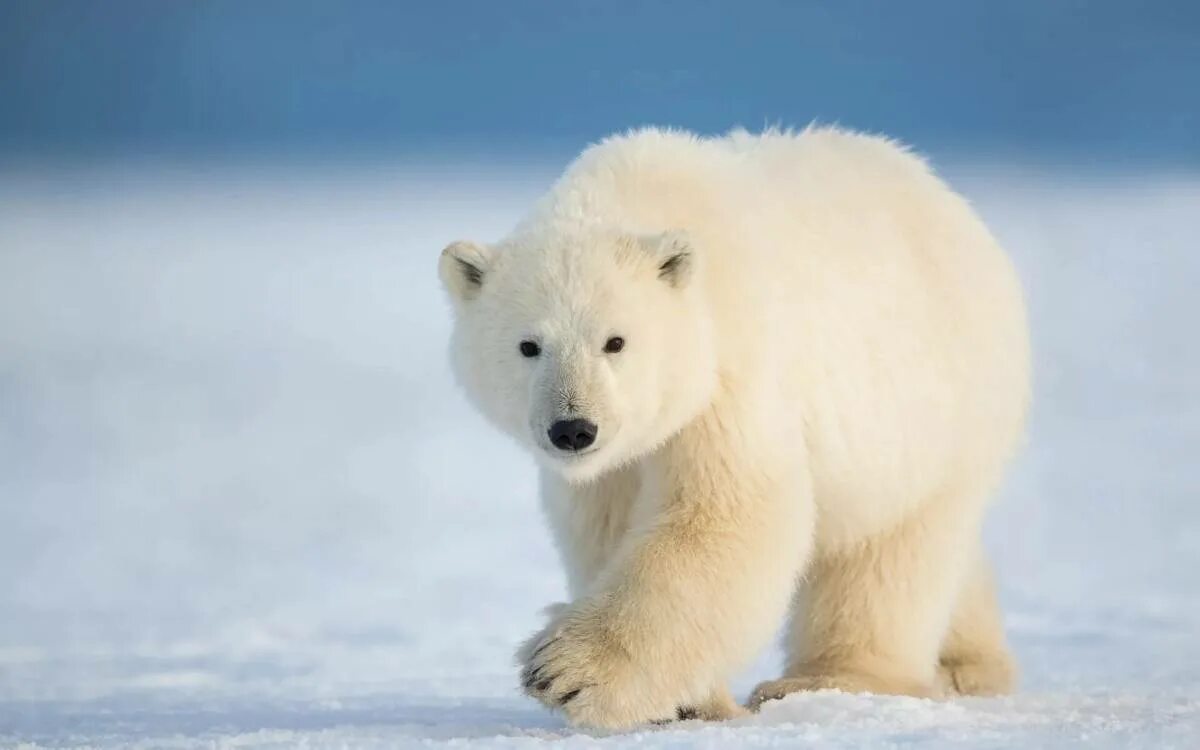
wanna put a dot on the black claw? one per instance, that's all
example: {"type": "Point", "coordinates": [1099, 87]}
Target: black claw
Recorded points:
{"type": "Point", "coordinates": [568, 696]}
{"type": "Point", "coordinates": [531, 677]}
{"type": "Point", "coordinates": [685, 713]}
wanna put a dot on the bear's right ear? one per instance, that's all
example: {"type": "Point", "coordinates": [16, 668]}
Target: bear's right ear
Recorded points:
{"type": "Point", "coordinates": [463, 267]}
{"type": "Point", "coordinates": [675, 256]}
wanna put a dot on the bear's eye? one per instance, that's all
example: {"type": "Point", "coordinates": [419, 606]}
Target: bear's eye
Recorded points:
{"type": "Point", "coordinates": [614, 345]}
{"type": "Point", "coordinates": [530, 349]}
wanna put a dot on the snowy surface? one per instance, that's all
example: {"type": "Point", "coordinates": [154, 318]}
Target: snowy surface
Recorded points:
{"type": "Point", "coordinates": [242, 505]}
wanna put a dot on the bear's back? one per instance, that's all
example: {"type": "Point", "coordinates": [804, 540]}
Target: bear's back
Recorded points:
{"type": "Point", "coordinates": [840, 267]}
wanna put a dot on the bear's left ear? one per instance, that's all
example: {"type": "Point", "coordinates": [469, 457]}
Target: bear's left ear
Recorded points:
{"type": "Point", "coordinates": [675, 256]}
{"type": "Point", "coordinates": [463, 267]}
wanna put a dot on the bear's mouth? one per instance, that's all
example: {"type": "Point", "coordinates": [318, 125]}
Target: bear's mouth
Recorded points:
{"type": "Point", "coordinates": [572, 456]}
{"type": "Point", "coordinates": [569, 460]}
{"type": "Point", "coordinates": [586, 459]}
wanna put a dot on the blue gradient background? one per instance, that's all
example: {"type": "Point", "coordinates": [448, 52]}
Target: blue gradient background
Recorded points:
{"type": "Point", "coordinates": [1100, 81]}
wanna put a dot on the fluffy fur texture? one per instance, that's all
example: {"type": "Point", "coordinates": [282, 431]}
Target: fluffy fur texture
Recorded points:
{"type": "Point", "coordinates": [825, 371]}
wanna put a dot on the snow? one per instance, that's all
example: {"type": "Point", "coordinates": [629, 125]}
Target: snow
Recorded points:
{"type": "Point", "coordinates": [241, 504]}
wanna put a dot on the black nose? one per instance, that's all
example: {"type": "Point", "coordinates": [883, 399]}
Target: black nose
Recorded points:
{"type": "Point", "coordinates": [572, 434]}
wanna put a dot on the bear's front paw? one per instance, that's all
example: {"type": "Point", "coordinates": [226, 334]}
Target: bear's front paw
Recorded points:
{"type": "Point", "coordinates": [578, 666]}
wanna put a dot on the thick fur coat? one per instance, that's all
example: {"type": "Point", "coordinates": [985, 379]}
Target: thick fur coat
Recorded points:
{"type": "Point", "coordinates": [765, 377]}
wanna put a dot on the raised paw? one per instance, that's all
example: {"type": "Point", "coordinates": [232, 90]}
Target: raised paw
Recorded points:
{"type": "Point", "coordinates": [578, 666]}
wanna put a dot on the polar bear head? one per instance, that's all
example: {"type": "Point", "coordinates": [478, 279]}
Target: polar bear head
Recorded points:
{"type": "Point", "coordinates": [590, 347]}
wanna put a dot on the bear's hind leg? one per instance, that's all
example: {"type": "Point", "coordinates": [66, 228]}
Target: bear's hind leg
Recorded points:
{"type": "Point", "coordinates": [975, 659]}
{"type": "Point", "coordinates": [871, 618]}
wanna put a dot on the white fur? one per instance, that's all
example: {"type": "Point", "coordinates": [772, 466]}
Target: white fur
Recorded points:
{"type": "Point", "coordinates": [818, 394]}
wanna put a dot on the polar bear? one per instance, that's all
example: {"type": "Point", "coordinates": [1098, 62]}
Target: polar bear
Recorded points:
{"type": "Point", "coordinates": [765, 377]}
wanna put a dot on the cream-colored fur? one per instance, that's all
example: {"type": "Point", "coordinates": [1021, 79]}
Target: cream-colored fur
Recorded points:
{"type": "Point", "coordinates": [825, 371]}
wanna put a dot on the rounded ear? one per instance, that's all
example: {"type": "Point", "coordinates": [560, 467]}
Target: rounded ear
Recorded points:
{"type": "Point", "coordinates": [463, 268]}
{"type": "Point", "coordinates": [675, 256]}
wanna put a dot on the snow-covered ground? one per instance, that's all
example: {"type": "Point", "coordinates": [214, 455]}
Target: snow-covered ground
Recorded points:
{"type": "Point", "coordinates": [241, 503]}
